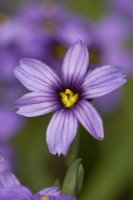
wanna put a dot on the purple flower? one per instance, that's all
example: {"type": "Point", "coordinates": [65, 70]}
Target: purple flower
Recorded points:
{"type": "Point", "coordinates": [46, 15]}
{"type": "Point", "coordinates": [10, 188]}
{"type": "Point", "coordinates": [70, 96]}
{"type": "Point", "coordinates": [58, 44]}
{"type": "Point", "coordinates": [52, 20]}
{"type": "Point", "coordinates": [9, 123]}
{"type": "Point", "coordinates": [122, 6]}
{"type": "Point", "coordinates": [111, 34]}
{"type": "Point", "coordinates": [18, 39]}
{"type": "Point", "coordinates": [6, 157]}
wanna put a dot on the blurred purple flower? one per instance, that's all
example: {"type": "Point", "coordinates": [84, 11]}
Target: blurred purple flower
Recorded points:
{"type": "Point", "coordinates": [43, 14]}
{"type": "Point", "coordinates": [111, 34]}
{"type": "Point", "coordinates": [7, 158]}
{"type": "Point", "coordinates": [53, 20]}
{"type": "Point", "coordinates": [59, 43]}
{"type": "Point", "coordinates": [122, 6]}
{"type": "Point", "coordinates": [67, 96]}
{"type": "Point", "coordinates": [9, 123]}
{"type": "Point", "coordinates": [17, 40]}
{"type": "Point", "coordinates": [11, 188]}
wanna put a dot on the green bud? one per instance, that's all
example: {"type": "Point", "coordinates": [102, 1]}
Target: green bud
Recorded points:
{"type": "Point", "coordinates": [73, 180]}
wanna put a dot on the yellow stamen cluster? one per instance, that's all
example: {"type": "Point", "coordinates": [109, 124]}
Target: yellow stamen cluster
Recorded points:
{"type": "Point", "coordinates": [68, 98]}
{"type": "Point", "coordinates": [44, 198]}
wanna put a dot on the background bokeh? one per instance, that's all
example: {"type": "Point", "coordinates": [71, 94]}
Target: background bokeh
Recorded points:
{"type": "Point", "coordinates": [108, 164]}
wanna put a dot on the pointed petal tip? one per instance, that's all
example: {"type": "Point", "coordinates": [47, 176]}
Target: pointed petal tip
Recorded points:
{"type": "Point", "coordinates": [27, 61]}
{"type": "Point", "coordinates": [15, 108]}
{"type": "Point", "coordinates": [123, 75]}
{"type": "Point", "coordinates": [60, 132]}
{"type": "Point", "coordinates": [124, 80]}
{"type": "Point", "coordinates": [79, 44]}
{"type": "Point", "coordinates": [79, 41]}
{"type": "Point", "coordinates": [101, 138]}
{"type": "Point", "coordinates": [90, 119]}
{"type": "Point", "coordinates": [103, 80]}
{"type": "Point", "coordinates": [58, 153]}
{"type": "Point", "coordinates": [17, 111]}
{"type": "Point", "coordinates": [21, 61]}
{"type": "Point", "coordinates": [15, 70]}
{"type": "Point", "coordinates": [101, 135]}
{"type": "Point", "coordinates": [75, 64]}
{"type": "Point", "coordinates": [1, 158]}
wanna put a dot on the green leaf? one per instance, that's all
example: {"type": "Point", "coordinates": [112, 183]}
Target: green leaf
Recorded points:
{"type": "Point", "coordinates": [73, 180]}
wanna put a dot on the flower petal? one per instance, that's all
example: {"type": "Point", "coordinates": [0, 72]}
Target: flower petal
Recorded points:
{"type": "Point", "coordinates": [10, 122]}
{"type": "Point", "coordinates": [7, 179]}
{"type": "Point", "coordinates": [50, 191]}
{"type": "Point", "coordinates": [36, 104]}
{"type": "Point", "coordinates": [36, 76]}
{"type": "Point", "coordinates": [16, 192]}
{"type": "Point", "coordinates": [6, 156]}
{"type": "Point", "coordinates": [61, 131]}
{"type": "Point", "coordinates": [75, 65]}
{"type": "Point", "coordinates": [64, 197]}
{"type": "Point", "coordinates": [101, 81]}
{"type": "Point", "coordinates": [89, 118]}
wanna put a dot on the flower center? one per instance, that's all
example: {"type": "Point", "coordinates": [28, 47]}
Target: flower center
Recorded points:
{"type": "Point", "coordinates": [68, 98]}
{"type": "Point", "coordinates": [60, 51]}
{"type": "Point", "coordinates": [44, 198]}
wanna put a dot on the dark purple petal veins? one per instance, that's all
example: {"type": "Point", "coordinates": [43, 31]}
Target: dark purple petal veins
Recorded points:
{"type": "Point", "coordinates": [36, 104]}
{"type": "Point", "coordinates": [75, 65]}
{"type": "Point", "coordinates": [61, 131]}
{"type": "Point", "coordinates": [101, 81]}
{"type": "Point", "coordinates": [36, 76]}
{"type": "Point", "coordinates": [89, 118]}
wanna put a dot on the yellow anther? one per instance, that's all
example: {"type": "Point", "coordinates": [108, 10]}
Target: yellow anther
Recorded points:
{"type": "Point", "coordinates": [44, 198]}
{"type": "Point", "coordinates": [68, 98]}
{"type": "Point", "coordinates": [69, 92]}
